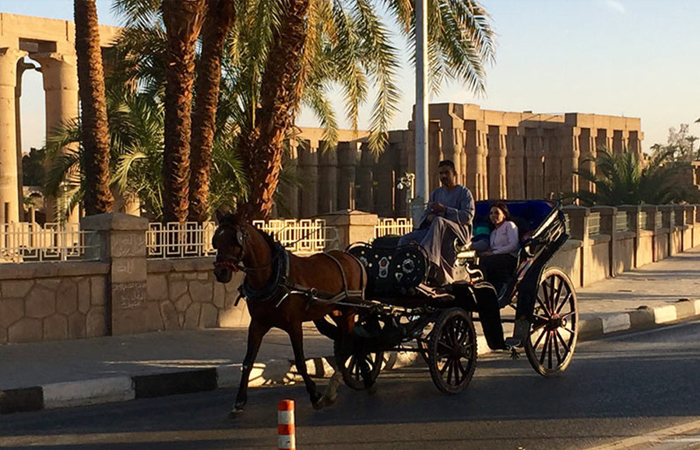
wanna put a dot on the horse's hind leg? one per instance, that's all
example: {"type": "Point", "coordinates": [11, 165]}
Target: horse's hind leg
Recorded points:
{"type": "Point", "coordinates": [296, 335]}
{"type": "Point", "coordinates": [256, 332]}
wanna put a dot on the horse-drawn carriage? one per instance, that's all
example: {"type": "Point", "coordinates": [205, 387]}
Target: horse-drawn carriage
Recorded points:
{"type": "Point", "coordinates": [381, 300]}
{"type": "Point", "coordinates": [404, 313]}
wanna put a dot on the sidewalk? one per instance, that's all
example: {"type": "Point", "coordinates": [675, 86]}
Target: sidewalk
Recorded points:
{"type": "Point", "coordinates": [80, 372]}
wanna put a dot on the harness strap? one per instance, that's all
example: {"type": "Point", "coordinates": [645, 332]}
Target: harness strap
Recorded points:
{"type": "Point", "coordinates": [342, 272]}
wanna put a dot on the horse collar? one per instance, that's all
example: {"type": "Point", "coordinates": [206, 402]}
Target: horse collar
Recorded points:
{"type": "Point", "coordinates": [276, 282]}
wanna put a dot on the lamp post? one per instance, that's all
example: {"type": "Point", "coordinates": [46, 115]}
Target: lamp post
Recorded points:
{"type": "Point", "coordinates": [422, 169]}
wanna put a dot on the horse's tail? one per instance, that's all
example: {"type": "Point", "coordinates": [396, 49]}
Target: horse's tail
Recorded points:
{"type": "Point", "coordinates": [327, 329]}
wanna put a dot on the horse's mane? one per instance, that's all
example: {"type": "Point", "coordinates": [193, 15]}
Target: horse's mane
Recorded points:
{"type": "Point", "coordinates": [231, 219]}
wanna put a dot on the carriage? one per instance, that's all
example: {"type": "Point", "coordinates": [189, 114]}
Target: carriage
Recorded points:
{"type": "Point", "coordinates": [401, 311]}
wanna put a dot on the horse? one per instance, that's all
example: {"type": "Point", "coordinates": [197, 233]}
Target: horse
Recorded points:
{"type": "Point", "coordinates": [283, 290]}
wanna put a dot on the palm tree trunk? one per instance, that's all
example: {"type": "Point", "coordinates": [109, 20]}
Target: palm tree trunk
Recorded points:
{"type": "Point", "coordinates": [219, 17]}
{"type": "Point", "coordinates": [95, 132]}
{"type": "Point", "coordinates": [183, 21]}
{"type": "Point", "coordinates": [261, 150]}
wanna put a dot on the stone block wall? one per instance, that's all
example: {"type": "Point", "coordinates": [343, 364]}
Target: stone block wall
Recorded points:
{"type": "Point", "coordinates": [52, 301]}
{"type": "Point", "coordinates": [187, 296]}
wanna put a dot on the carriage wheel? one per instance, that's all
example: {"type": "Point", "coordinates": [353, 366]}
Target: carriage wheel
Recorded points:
{"type": "Point", "coordinates": [357, 365]}
{"type": "Point", "coordinates": [452, 351]}
{"type": "Point", "coordinates": [554, 331]}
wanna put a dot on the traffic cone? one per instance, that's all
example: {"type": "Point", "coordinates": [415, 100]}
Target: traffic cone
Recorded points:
{"type": "Point", "coordinates": [286, 434]}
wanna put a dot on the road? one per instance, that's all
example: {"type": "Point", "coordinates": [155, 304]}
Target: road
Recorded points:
{"type": "Point", "coordinates": [639, 390]}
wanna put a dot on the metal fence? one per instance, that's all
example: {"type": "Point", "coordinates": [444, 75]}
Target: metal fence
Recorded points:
{"type": "Point", "coordinates": [31, 242]}
{"type": "Point", "coordinates": [302, 237]}
{"type": "Point", "coordinates": [398, 226]}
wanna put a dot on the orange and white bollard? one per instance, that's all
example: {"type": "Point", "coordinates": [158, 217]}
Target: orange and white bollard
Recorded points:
{"type": "Point", "coordinates": [286, 433]}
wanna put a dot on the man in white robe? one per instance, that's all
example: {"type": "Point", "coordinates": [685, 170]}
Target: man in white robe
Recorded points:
{"type": "Point", "coordinates": [448, 215]}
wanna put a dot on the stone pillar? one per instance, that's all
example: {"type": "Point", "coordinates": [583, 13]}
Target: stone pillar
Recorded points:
{"type": "Point", "coordinates": [650, 225]}
{"type": "Point", "coordinates": [327, 180]}
{"type": "Point", "coordinates": [290, 192]}
{"type": "Point", "coordinates": [365, 202]}
{"type": "Point", "coordinates": [578, 229]}
{"type": "Point", "coordinates": [570, 154]}
{"type": "Point", "coordinates": [607, 226]}
{"type": "Point", "coordinates": [634, 226]}
{"type": "Point", "coordinates": [667, 221]}
{"type": "Point", "coordinates": [9, 194]}
{"type": "Point", "coordinates": [435, 154]}
{"type": "Point", "coordinates": [587, 150]}
{"type": "Point", "coordinates": [534, 152]}
{"type": "Point", "coordinates": [21, 68]}
{"type": "Point", "coordinates": [385, 179]}
{"type": "Point", "coordinates": [60, 76]}
{"type": "Point", "coordinates": [515, 170]}
{"type": "Point", "coordinates": [497, 162]}
{"type": "Point", "coordinates": [122, 241]}
{"type": "Point", "coordinates": [453, 143]}
{"type": "Point", "coordinates": [679, 219]}
{"type": "Point", "coordinates": [347, 160]}
{"type": "Point", "coordinates": [308, 165]}
{"type": "Point", "coordinates": [352, 226]}
{"type": "Point", "coordinates": [476, 153]}
{"type": "Point", "coordinates": [552, 163]}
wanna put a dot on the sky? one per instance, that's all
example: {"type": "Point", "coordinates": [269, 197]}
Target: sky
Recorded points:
{"type": "Point", "coordinates": [635, 58]}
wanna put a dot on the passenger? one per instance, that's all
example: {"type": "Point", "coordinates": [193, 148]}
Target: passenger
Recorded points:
{"type": "Point", "coordinates": [448, 215]}
{"type": "Point", "coordinates": [498, 262]}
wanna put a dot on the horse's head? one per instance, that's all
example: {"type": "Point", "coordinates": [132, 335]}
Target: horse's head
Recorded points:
{"type": "Point", "coordinates": [230, 241]}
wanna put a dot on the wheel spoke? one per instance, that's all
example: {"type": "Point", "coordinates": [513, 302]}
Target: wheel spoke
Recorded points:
{"type": "Point", "coordinates": [563, 342]}
{"type": "Point", "coordinates": [544, 349]}
{"type": "Point", "coordinates": [549, 353]}
{"type": "Point", "coordinates": [556, 346]}
{"type": "Point", "coordinates": [566, 300]}
{"type": "Point", "coordinates": [539, 338]}
{"type": "Point", "coordinates": [544, 307]}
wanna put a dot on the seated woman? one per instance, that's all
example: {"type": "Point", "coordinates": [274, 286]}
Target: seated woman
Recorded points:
{"type": "Point", "coordinates": [498, 262]}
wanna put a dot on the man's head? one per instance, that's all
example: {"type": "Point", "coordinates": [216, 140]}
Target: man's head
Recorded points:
{"type": "Point", "coordinates": [447, 173]}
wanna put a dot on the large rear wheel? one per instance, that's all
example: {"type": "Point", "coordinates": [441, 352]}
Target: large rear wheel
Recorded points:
{"type": "Point", "coordinates": [452, 350]}
{"type": "Point", "coordinates": [554, 329]}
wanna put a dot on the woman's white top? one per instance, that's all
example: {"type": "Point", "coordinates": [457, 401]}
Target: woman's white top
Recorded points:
{"type": "Point", "coordinates": [504, 239]}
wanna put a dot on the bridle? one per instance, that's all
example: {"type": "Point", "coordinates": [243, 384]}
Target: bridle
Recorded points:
{"type": "Point", "coordinates": [241, 237]}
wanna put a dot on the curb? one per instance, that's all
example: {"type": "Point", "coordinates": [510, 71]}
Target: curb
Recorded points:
{"type": "Point", "coordinates": [120, 389]}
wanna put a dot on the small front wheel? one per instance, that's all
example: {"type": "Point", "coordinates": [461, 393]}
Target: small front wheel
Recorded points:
{"type": "Point", "coordinates": [358, 367]}
{"type": "Point", "coordinates": [452, 350]}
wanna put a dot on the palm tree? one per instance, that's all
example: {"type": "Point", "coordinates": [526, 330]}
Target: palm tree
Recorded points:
{"type": "Point", "coordinates": [95, 130]}
{"type": "Point", "coordinates": [281, 54]}
{"type": "Point", "coordinates": [622, 179]}
{"type": "Point", "coordinates": [218, 21]}
{"type": "Point", "coordinates": [183, 21]}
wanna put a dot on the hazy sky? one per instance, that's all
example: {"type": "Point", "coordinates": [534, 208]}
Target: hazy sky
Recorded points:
{"type": "Point", "coordinates": [637, 58]}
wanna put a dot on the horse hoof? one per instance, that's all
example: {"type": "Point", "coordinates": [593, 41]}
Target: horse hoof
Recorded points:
{"type": "Point", "coordinates": [235, 412]}
{"type": "Point", "coordinates": [330, 400]}
{"type": "Point", "coordinates": [320, 404]}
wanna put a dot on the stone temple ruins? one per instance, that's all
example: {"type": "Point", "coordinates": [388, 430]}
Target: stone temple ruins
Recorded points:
{"type": "Point", "coordinates": [498, 154]}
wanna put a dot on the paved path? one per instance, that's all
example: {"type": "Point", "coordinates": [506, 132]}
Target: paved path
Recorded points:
{"type": "Point", "coordinates": [608, 306]}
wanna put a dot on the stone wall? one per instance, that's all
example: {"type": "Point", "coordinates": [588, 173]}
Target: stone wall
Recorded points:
{"type": "Point", "coordinates": [50, 301]}
{"type": "Point", "coordinates": [188, 296]}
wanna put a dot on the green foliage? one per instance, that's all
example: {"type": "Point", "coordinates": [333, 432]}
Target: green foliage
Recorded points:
{"type": "Point", "coordinates": [33, 167]}
{"type": "Point", "coordinates": [624, 179]}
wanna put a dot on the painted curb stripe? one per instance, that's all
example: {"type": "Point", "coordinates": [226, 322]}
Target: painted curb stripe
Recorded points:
{"type": "Point", "coordinates": [617, 322]}
{"type": "Point", "coordinates": [90, 392]}
{"type": "Point", "coordinates": [665, 314]}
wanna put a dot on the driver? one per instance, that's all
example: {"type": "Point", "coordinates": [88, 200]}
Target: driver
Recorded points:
{"type": "Point", "coordinates": [448, 215]}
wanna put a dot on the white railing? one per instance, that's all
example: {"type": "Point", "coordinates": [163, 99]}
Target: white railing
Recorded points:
{"type": "Point", "coordinates": [192, 240]}
{"type": "Point", "coordinates": [180, 240]}
{"type": "Point", "coordinates": [31, 242]}
{"type": "Point", "coordinates": [302, 237]}
{"type": "Point", "coordinates": [398, 226]}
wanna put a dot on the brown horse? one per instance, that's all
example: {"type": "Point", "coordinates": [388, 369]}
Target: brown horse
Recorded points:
{"type": "Point", "coordinates": [274, 281]}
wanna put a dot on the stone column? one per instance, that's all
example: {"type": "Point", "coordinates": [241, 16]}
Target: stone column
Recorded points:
{"type": "Point", "coordinates": [308, 165]}
{"type": "Point", "coordinates": [515, 170]}
{"type": "Point", "coordinates": [366, 179]}
{"type": "Point", "coordinates": [634, 226]}
{"type": "Point", "coordinates": [60, 76]}
{"type": "Point", "coordinates": [327, 180]}
{"type": "Point", "coordinates": [453, 143]}
{"type": "Point", "coordinates": [353, 226]}
{"type": "Point", "coordinates": [21, 68]}
{"type": "Point", "coordinates": [650, 225]}
{"type": "Point", "coordinates": [9, 194]}
{"type": "Point", "coordinates": [534, 152]}
{"type": "Point", "coordinates": [384, 176]}
{"type": "Point", "coordinates": [435, 154]}
{"type": "Point", "coordinates": [123, 244]}
{"type": "Point", "coordinates": [607, 226]}
{"type": "Point", "coordinates": [476, 153]}
{"type": "Point", "coordinates": [347, 160]}
{"type": "Point", "coordinates": [552, 163]}
{"type": "Point", "coordinates": [578, 229]}
{"type": "Point", "coordinates": [667, 221]}
{"type": "Point", "coordinates": [570, 154]}
{"type": "Point", "coordinates": [497, 162]}
{"type": "Point", "coordinates": [290, 193]}
{"type": "Point", "coordinates": [587, 150]}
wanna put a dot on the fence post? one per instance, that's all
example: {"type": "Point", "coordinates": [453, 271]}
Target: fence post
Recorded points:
{"type": "Point", "coordinates": [123, 245]}
{"type": "Point", "coordinates": [607, 226]}
{"type": "Point", "coordinates": [578, 224]}
{"type": "Point", "coordinates": [634, 226]}
{"type": "Point", "coordinates": [668, 223]}
{"type": "Point", "coordinates": [650, 225]}
{"type": "Point", "coordinates": [353, 226]}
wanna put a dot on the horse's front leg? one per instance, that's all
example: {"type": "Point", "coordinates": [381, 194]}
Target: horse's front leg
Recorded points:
{"type": "Point", "coordinates": [296, 335]}
{"type": "Point", "coordinates": [256, 332]}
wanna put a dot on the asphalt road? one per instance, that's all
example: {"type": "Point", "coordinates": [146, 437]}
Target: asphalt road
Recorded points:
{"type": "Point", "coordinates": [639, 390]}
